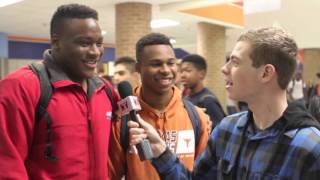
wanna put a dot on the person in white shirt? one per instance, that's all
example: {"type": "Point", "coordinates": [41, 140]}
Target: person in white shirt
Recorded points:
{"type": "Point", "coordinates": [296, 87]}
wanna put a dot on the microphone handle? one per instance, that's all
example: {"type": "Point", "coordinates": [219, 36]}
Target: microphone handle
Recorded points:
{"type": "Point", "coordinates": [144, 148]}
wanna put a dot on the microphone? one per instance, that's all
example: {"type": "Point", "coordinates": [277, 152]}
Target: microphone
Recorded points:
{"type": "Point", "coordinates": [129, 105]}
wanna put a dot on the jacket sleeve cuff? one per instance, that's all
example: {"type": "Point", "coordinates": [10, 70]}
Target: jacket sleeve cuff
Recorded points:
{"type": "Point", "coordinates": [165, 161]}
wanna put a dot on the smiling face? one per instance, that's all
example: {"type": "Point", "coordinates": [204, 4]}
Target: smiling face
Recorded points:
{"type": "Point", "coordinates": [78, 48]}
{"type": "Point", "coordinates": [242, 79]}
{"type": "Point", "coordinates": [158, 69]}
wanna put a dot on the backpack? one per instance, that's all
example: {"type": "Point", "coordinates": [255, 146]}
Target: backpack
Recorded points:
{"type": "Point", "coordinates": [45, 95]}
{"type": "Point", "coordinates": [192, 113]}
{"type": "Point", "coordinates": [205, 96]}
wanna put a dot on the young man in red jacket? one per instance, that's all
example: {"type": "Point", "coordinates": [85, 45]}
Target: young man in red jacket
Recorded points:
{"type": "Point", "coordinates": [71, 140]}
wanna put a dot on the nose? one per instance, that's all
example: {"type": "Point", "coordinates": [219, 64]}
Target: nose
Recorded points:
{"type": "Point", "coordinates": [165, 68]}
{"type": "Point", "coordinates": [96, 50]}
{"type": "Point", "coordinates": [182, 75]}
{"type": "Point", "coordinates": [225, 68]}
{"type": "Point", "coordinates": [116, 78]}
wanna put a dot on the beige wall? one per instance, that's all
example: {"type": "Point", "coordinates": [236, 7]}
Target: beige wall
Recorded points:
{"type": "Point", "coordinates": [132, 22]}
{"type": "Point", "coordinates": [211, 44]}
{"type": "Point", "coordinates": [10, 65]}
{"type": "Point", "coordinates": [311, 65]}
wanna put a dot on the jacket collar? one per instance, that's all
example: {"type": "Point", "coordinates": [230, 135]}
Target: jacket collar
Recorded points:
{"type": "Point", "coordinates": [175, 98]}
{"type": "Point", "coordinates": [59, 78]}
{"type": "Point", "coordinates": [295, 116]}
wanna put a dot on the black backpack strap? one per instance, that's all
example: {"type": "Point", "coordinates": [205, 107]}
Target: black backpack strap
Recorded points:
{"type": "Point", "coordinates": [205, 96]}
{"type": "Point", "coordinates": [46, 89]}
{"type": "Point", "coordinates": [113, 102]}
{"type": "Point", "coordinates": [41, 110]}
{"type": "Point", "coordinates": [195, 119]}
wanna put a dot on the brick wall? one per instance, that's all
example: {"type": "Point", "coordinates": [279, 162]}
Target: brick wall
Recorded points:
{"type": "Point", "coordinates": [132, 22]}
{"type": "Point", "coordinates": [211, 43]}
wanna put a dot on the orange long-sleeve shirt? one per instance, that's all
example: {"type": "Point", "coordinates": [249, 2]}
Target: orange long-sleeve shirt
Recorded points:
{"type": "Point", "coordinates": [174, 126]}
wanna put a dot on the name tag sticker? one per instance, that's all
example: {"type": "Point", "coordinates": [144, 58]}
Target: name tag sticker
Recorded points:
{"type": "Point", "coordinates": [109, 115]}
{"type": "Point", "coordinates": [186, 142]}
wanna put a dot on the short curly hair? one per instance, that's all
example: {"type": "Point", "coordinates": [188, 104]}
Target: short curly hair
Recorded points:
{"type": "Point", "coordinates": [70, 11]}
{"type": "Point", "coordinates": [151, 39]}
{"type": "Point", "coordinates": [198, 61]}
{"type": "Point", "coordinates": [127, 61]}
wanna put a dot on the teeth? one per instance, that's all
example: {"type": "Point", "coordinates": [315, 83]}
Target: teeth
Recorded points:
{"type": "Point", "coordinates": [90, 62]}
{"type": "Point", "coordinates": [165, 81]}
{"type": "Point", "coordinates": [229, 83]}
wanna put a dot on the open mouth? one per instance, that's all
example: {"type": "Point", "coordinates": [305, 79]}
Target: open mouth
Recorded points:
{"type": "Point", "coordinates": [165, 81]}
{"type": "Point", "coordinates": [229, 84]}
{"type": "Point", "coordinates": [91, 63]}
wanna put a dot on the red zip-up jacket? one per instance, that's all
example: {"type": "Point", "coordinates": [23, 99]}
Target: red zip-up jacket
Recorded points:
{"type": "Point", "coordinates": [80, 128]}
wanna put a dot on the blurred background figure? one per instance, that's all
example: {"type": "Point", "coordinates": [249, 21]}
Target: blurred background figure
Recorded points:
{"type": "Point", "coordinates": [193, 72]}
{"type": "Point", "coordinates": [124, 70]}
{"type": "Point", "coordinates": [318, 84]}
{"type": "Point", "coordinates": [296, 88]}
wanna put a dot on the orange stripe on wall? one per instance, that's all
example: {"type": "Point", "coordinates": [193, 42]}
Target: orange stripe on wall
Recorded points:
{"type": "Point", "coordinates": [28, 39]}
{"type": "Point", "coordinates": [227, 13]}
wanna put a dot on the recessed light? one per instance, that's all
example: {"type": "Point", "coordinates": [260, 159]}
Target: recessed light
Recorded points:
{"type": "Point", "coordinates": [8, 2]}
{"type": "Point", "coordinates": [159, 23]}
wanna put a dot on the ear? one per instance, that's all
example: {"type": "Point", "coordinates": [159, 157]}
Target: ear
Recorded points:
{"type": "Point", "coordinates": [138, 67]}
{"type": "Point", "coordinates": [55, 42]}
{"type": "Point", "coordinates": [268, 73]}
{"type": "Point", "coordinates": [202, 74]}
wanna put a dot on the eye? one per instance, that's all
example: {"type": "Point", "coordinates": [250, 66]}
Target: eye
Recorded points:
{"type": "Point", "coordinates": [234, 62]}
{"type": "Point", "coordinates": [155, 64]}
{"type": "Point", "coordinates": [171, 63]}
{"type": "Point", "coordinates": [99, 44]}
{"type": "Point", "coordinates": [84, 43]}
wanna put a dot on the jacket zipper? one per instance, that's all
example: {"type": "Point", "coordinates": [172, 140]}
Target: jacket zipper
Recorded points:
{"type": "Point", "coordinates": [91, 162]}
{"type": "Point", "coordinates": [91, 144]}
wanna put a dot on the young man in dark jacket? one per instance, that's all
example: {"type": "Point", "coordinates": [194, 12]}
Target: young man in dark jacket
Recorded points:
{"type": "Point", "coordinates": [71, 140]}
{"type": "Point", "coordinates": [272, 140]}
{"type": "Point", "coordinates": [193, 72]}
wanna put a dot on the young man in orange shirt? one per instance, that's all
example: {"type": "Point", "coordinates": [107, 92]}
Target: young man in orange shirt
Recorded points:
{"type": "Point", "coordinates": [162, 107]}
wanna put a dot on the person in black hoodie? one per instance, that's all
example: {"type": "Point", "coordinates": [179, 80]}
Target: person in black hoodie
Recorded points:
{"type": "Point", "coordinates": [193, 73]}
{"type": "Point", "coordinates": [272, 140]}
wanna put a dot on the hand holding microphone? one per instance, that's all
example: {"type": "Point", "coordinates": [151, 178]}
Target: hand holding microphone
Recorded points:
{"type": "Point", "coordinates": [141, 130]}
{"type": "Point", "coordinates": [129, 105]}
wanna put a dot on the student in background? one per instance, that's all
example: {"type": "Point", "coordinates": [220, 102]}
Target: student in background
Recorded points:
{"type": "Point", "coordinates": [193, 72]}
{"type": "Point", "coordinates": [125, 70]}
{"type": "Point", "coordinates": [296, 88]}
